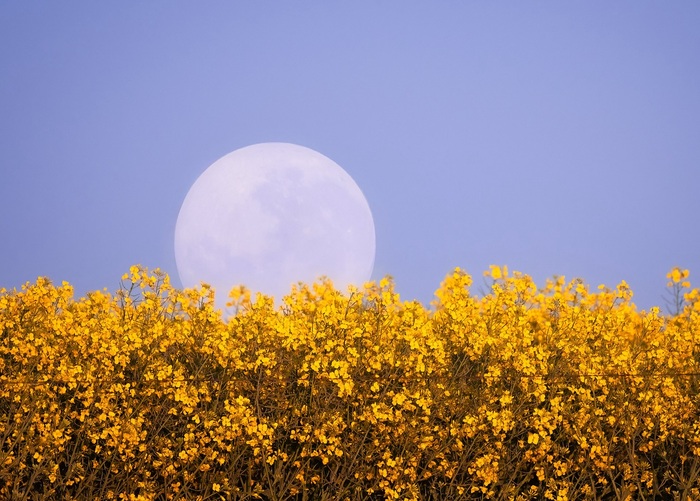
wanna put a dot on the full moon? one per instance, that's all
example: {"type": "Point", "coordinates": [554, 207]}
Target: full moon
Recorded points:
{"type": "Point", "coordinates": [271, 215]}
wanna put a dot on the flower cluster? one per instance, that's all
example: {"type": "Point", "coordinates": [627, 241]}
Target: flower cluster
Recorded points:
{"type": "Point", "coordinates": [525, 392]}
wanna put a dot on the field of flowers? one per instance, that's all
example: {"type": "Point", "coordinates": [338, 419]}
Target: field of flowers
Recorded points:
{"type": "Point", "coordinates": [521, 392]}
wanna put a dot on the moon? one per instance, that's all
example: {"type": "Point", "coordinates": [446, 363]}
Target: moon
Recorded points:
{"type": "Point", "coordinates": [271, 215]}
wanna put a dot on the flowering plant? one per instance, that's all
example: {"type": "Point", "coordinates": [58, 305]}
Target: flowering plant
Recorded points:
{"type": "Point", "coordinates": [555, 392]}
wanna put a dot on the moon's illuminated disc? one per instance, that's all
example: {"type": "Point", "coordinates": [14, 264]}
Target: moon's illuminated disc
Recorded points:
{"type": "Point", "coordinates": [270, 215]}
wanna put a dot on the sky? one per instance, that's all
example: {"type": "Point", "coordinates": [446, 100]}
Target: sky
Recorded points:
{"type": "Point", "coordinates": [557, 138]}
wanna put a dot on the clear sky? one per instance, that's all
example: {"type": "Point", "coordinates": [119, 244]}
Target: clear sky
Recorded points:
{"type": "Point", "coordinates": [554, 137]}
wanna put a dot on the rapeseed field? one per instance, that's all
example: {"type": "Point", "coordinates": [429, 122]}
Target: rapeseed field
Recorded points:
{"type": "Point", "coordinates": [522, 392]}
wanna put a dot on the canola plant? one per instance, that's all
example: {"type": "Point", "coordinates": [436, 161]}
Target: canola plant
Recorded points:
{"type": "Point", "coordinates": [522, 393]}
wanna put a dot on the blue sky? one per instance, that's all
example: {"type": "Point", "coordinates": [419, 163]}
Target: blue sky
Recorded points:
{"type": "Point", "coordinates": [554, 137]}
